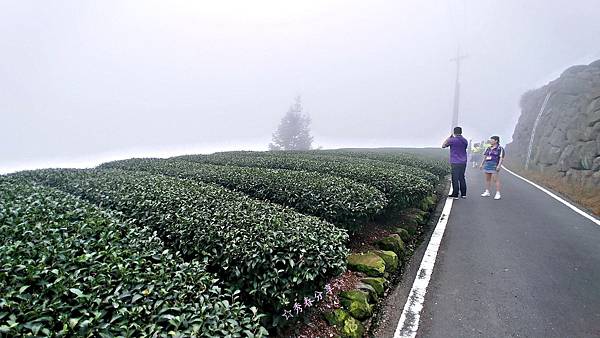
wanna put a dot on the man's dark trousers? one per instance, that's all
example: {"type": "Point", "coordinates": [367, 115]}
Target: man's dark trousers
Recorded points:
{"type": "Point", "coordinates": [459, 183]}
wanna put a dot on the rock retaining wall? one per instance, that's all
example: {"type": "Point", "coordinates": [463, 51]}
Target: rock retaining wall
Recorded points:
{"type": "Point", "coordinates": [567, 136]}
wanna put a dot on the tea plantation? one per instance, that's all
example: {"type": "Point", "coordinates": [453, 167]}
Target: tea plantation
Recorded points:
{"type": "Point", "coordinates": [198, 245]}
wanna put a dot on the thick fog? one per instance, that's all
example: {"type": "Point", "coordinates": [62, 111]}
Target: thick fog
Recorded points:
{"type": "Point", "coordinates": [85, 81]}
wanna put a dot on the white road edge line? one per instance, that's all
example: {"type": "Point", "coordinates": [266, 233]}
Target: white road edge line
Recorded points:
{"type": "Point", "coordinates": [409, 320]}
{"type": "Point", "coordinates": [553, 195]}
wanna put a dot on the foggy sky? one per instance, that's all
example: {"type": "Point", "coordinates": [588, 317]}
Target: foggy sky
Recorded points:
{"type": "Point", "coordinates": [83, 81]}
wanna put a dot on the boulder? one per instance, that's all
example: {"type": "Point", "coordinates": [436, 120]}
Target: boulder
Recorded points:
{"type": "Point", "coordinates": [567, 160]}
{"type": "Point", "coordinates": [392, 243]}
{"type": "Point", "coordinates": [368, 263]}
{"type": "Point", "coordinates": [416, 217]}
{"type": "Point", "coordinates": [336, 317]}
{"type": "Point", "coordinates": [593, 131]}
{"type": "Point", "coordinates": [378, 283]}
{"type": "Point", "coordinates": [390, 258]}
{"type": "Point", "coordinates": [557, 138]}
{"type": "Point", "coordinates": [550, 155]}
{"type": "Point", "coordinates": [595, 179]}
{"type": "Point", "coordinates": [410, 228]}
{"type": "Point", "coordinates": [357, 303]}
{"type": "Point", "coordinates": [348, 326]}
{"type": "Point", "coordinates": [352, 328]}
{"type": "Point", "coordinates": [596, 164]}
{"type": "Point", "coordinates": [373, 296]}
{"type": "Point", "coordinates": [593, 113]}
{"type": "Point", "coordinates": [575, 135]}
{"type": "Point", "coordinates": [404, 234]}
{"type": "Point", "coordinates": [587, 153]}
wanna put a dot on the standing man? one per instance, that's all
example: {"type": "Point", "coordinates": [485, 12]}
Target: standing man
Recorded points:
{"type": "Point", "coordinates": [458, 160]}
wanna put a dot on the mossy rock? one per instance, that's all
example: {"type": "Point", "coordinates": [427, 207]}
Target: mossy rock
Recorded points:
{"type": "Point", "coordinates": [336, 317]}
{"type": "Point", "coordinates": [378, 284]}
{"type": "Point", "coordinates": [416, 216]}
{"type": "Point", "coordinates": [373, 296]}
{"type": "Point", "coordinates": [352, 328]}
{"type": "Point", "coordinates": [392, 243]}
{"type": "Point", "coordinates": [390, 258]}
{"type": "Point", "coordinates": [369, 263]}
{"type": "Point", "coordinates": [427, 203]}
{"type": "Point", "coordinates": [357, 303]}
{"type": "Point", "coordinates": [410, 220]}
{"type": "Point", "coordinates": [348, 326]}
{"type": "Point", "coordinates": [354, 295]}
{"type": "Point", "coordinates": [410, 228]}
{"type": "Point", "coordinates": [404, 234]}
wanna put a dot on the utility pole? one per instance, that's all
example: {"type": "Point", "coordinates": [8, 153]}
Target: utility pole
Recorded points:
{"type": "Point", "coordinates": [457, 59]}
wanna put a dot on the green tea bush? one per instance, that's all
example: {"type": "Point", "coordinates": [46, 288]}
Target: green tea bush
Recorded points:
{"type": "Point", "coordinates": [412, 169]}
{"type": "Point", "coordinates": [435, 166]}
{"type": "Point", "coordinates": [336, 199]}
{"type": "Point", "coordinates": [402, 185]}
{"type": "Point", "coordinates": [273, 254]}
{"type": "Point", "coordinates": [68, 268]}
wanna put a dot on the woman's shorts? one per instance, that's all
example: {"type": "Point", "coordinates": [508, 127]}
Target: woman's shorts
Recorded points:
{"type": "Point", "coordinates": [489, 167]}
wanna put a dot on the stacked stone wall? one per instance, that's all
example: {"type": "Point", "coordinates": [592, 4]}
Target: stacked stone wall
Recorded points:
{"type": "Point", "coordinates": [566, 142]}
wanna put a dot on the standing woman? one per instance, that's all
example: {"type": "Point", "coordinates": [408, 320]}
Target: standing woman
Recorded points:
{"type": "Point", "coordinates": [491, 164]}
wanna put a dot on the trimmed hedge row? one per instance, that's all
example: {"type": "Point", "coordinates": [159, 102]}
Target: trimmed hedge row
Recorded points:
{"type": "Point", "coordinates": [426, 168]}
{"type": "Point", "coordinates": [335, 199]}
{"type": "Point", "coordinates": [327, 156]}
{"type": "Point", "coordinates": [273, 254]}
{"type": "Point", "coordinates": [402, 186]}
{"type": "Point", "coordinates": [437, 167]}
{"type": "Point", "coordinates": [68, 268]}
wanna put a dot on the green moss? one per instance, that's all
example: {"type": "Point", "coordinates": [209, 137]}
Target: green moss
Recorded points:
{"type": "Point", "coordinates": [369, 263]}
{"type": "Point", "coordinates": [352, 328]}
{"type": "Point", "coordinates": [357, 304]}
{"type": "Point", "coordinates": [373, 296]}
{"type": "Point", "coordinates": [404, 234]}
{"type": "Point", "coordinates": [378, 283]}
{"type": "Point", "coordinates": [390, 258]}
{"type": "Point", "coordinates": [336, 317]}
{"type": "Point", "coordinates": [392, 243]}
{"type": "Point", "coordinates": [410, 228]}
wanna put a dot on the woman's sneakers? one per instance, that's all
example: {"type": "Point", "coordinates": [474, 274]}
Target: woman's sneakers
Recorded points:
{"type": "Point", "coordinates": [487, 194]}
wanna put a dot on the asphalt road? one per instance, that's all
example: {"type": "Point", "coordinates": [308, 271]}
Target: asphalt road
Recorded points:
{"type": "Point", "coordinates": [523, 266]}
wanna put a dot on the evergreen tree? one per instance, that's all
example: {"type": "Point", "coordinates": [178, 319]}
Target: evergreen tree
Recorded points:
{"type": "Point", "coordinates": [293, 132]}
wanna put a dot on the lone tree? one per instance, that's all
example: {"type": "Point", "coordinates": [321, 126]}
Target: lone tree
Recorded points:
{"type": "Point", "coordinates": [293, 132]}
